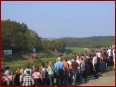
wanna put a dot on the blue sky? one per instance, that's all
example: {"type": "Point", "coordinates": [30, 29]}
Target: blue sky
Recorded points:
{"type": "Point", "coordinates": [63, 19]}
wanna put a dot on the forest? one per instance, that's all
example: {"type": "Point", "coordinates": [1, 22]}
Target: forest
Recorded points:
{"type": "Point", "coordinates": [90, 42]}
{"type": "Point", "coordinates": [18, 37]}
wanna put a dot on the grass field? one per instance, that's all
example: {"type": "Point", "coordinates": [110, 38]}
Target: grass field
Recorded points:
{"type": "Point", "coordinates": [16, 60]}
{"type": "Point", "coordinates": [76, 49]}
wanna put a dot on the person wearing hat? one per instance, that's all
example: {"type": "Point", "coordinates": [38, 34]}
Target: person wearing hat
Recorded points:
{"type": "Point", "coordinates": [8, 78]}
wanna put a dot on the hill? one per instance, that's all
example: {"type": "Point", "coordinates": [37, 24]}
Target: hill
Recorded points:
{"type": "Point", "coordinates": [90, 42]}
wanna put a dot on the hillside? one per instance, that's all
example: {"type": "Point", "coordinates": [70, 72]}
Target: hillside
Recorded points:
{"type": "Point", "coordinates": [92, 42]}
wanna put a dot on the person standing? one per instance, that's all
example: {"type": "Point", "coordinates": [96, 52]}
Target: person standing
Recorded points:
{"type": "Point", "coordinates": [110, 58]}
{"type": "Point", "coordinates": [114, 57]}
{"type": "Point", "coordinates": [66, 71]}
{"type": "Point", "coordinates": [82, 70]}
{"type": "Point", "coordinates": [51, 71]}
{"type": "Point", "coordinates": [104, 57]}
{"type": "Point", "coordinates": [16, 79]}
{"type": "Point", "coordinates": [28, 80]}
{"type": "Point", "coordinates": [43, 71]}
{"type": "Point", "coordinates": [56, 77]}
{"type": "Point", "coordinates": [90, 63]}
{"type": "Point", "coordinates": [84, 58]}
{"type": "Point", "coordinates": [37, 77]}
{"type": "Point", "coordinates": [78, 69]}
{"type": "Point", "coordinates": [69, 76]}
{"type": "Point", "coordinates": [74, 67]}
{"type": "Point", "coordinates": [59, 66]}
{"type": "Point", "coordinates": [8, 79]}
{"type": "Point", "coordinates": [94, 62]}
{"type": "Point", "coordinates": [21, 76]}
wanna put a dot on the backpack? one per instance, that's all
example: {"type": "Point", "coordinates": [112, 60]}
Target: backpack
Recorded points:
{"type": "Point", "coordinates": [83, 73]}
{"type": "Point", "coordinates": [11, 83]}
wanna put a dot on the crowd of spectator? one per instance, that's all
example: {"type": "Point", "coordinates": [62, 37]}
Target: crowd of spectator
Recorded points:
{"type": "Point", "coordinates": [63, 72]}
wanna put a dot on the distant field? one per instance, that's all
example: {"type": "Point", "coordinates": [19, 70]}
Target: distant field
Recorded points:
{"type": "Point", "coordinates": [50, 39]}
{"type": "Point", "coordinates": [76, 49]}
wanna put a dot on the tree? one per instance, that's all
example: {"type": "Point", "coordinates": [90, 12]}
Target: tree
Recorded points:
{"type": "Point", "coordinates": [18, 37]}
{"type": "Point", "coordinates": [33, 40]}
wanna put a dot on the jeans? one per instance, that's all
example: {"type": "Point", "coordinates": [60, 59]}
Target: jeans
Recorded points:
{"type": "Point", "coordinates": [66, 77]}
{"type": "Point", "coordinates": [75, 76]}
{"type": "Point", "coordinates": [78, 75]}
{"type": "Point", "coordinates": [60, 80]}
{"type": "Point", "coordinates": [91, 68]}
{"type": "Point", "coordinates": [82, 77]}
{"type": "Point", "coordinates": [110, 61]}
{"type": "Point", "coordinates": [21, 83]}
{"type": "Point", "coordinates": [51, 78]}
{"type": "Point", "coordinates": [87, 67]}
{"type": "Point", "coordinates": [102, 66]}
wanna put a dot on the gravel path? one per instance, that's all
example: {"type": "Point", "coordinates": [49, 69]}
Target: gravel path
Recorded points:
{"type": "Point", "coordinates": [108, 79]}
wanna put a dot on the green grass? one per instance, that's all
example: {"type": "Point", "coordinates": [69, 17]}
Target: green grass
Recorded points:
{"type": "Point", "coordinates": [16, 60]}
{"type": "Point", "coordinates": [76, 49]}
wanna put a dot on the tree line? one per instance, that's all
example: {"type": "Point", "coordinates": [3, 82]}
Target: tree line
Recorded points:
{"type": "Point", "coordinates": [18, 37]}
{"type": "Point", "coordinates": [90, 42]}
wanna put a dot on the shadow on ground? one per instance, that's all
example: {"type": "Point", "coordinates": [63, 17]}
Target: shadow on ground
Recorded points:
{"type": "Point", "coordinates": [89, 80]}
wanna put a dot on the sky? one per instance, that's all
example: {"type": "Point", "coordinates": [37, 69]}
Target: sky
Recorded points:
{"type": "Point", "coordinates": [63, 19]}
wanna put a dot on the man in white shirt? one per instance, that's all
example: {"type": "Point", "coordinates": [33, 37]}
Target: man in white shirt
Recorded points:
{"type": "Point", "coordinates": [78, 69]}
{"type": "Point", "coordinates": [98, 54]}
{"type": "Point", "coordinates": [94, 62]}
{"type": "Point", "coordinates": [69, 62]}
{"type": "Point", "coordinates": [78, 61]}
{"type": "Point", "coordinates": [110, 56]}
{"type": "Point", "coordinates": [109, 52]}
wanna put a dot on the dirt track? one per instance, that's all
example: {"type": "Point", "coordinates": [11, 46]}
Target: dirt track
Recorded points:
{"type": "Point", "coordinates": [108, 79]}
